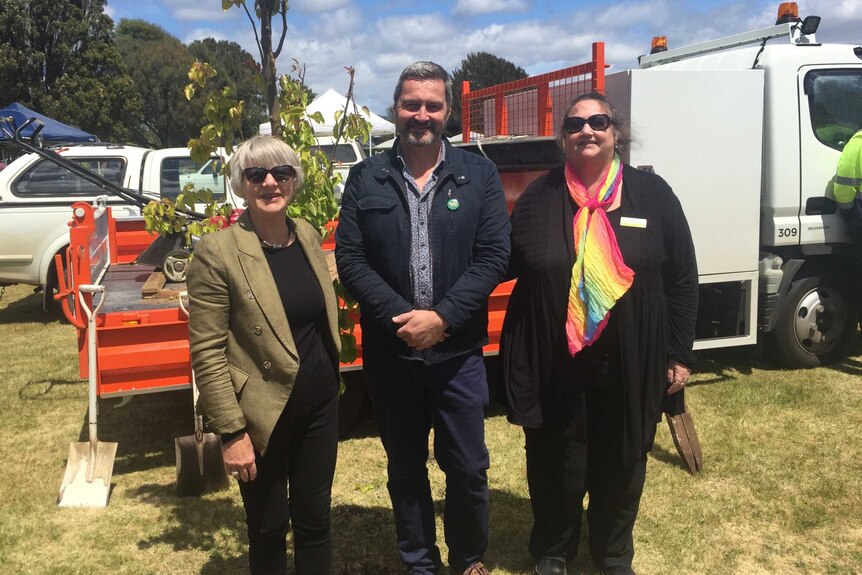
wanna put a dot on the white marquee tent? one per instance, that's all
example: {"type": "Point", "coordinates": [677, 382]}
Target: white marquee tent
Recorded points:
{"type": "Point", "coordinates": [330, 102]}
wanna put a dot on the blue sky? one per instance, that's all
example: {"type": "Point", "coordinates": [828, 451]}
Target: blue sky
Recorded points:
{"type": "Point", "coordinates": [379, 37]}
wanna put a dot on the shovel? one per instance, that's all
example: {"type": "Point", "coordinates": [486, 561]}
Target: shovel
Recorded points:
{"type": "Point", "coordinates": [87, 481]}
{"type": "Point", "coordinates": [683, 432]}
{"type": "Point", "coordinates": [200, 466]}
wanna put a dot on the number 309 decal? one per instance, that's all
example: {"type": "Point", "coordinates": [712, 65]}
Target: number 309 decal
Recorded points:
{"type": "Point", "coordinates": [787, 232]}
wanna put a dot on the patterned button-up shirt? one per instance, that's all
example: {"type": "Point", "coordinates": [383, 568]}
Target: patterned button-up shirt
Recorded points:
{"type": "Point", "coordinates": [421, 265]}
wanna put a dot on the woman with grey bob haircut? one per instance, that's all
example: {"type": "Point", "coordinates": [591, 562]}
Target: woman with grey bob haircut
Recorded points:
{"type": "Point", "coordinates": [264, 150]}
{"type": "Point", "coordinates": [263, 332]}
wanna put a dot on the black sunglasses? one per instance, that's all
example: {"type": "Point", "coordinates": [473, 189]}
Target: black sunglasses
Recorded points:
{"type": "Point", "coordinates": [279, 173]}
{"type": "Point", "coordinates": [597, 122]}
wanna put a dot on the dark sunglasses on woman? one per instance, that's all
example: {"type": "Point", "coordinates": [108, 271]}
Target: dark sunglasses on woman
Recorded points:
{"type": "Point", "coordinates": [279, 173]}
{"type": "Point", "coordinates": [597, 122]}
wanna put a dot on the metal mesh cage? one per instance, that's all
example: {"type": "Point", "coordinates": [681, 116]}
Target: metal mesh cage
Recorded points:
{"type": "Point", "coordinates": [529, 107]}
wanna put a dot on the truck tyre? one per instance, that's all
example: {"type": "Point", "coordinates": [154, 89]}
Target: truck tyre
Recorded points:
{"type": "Point", "coordinates": [816, 323]}
{"type": "Point", "coordinates": [52, 285]}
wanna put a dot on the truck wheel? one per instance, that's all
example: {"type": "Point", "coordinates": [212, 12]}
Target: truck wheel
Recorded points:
{"type": "Point", "coordinates": [816, 324]}
{"type": "Point", "coordinates": [48, 302]}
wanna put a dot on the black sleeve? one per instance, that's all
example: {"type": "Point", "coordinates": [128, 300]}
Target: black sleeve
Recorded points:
{"type": "Point", "coordinates": [680, 280]}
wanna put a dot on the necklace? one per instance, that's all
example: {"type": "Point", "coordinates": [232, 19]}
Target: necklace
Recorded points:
{"type": "Point", "coordinates": [273, 246]}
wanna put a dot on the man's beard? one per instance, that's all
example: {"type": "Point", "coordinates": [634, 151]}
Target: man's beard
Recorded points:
{"type": "Point", "coordinates": [430, 137]}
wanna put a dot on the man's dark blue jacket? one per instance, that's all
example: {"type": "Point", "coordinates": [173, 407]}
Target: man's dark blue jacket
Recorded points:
{"type": "Point", "coordinates": [469, 248]}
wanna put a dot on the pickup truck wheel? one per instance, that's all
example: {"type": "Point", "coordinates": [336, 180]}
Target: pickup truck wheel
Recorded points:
{"type": "Point", "coordinates": [816, 324]}
{"type": "Point", "coordinates": [49, 304]}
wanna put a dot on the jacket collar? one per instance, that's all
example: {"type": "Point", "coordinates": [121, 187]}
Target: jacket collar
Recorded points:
{"type": "Point", "coordinates": [454, 167]}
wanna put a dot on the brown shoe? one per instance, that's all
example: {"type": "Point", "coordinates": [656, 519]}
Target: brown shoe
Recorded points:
{"type": "Point", "coordinates": [476, 569]}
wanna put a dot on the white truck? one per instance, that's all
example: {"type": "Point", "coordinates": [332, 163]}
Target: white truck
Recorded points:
{"type": "Point", "coordinates": [747, 130]}
{"type": "Point", "coordinates": [36, 196]}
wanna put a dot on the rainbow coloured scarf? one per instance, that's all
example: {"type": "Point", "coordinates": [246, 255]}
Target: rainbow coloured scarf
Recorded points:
{"type": "Point", "coordinates": [600, 276]}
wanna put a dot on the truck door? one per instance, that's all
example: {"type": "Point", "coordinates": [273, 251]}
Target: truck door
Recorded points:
{"type": "Point", "coordinates": [830, 112]}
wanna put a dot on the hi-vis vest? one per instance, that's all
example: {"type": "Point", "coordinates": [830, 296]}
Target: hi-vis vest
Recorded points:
{"type": "Point", "coordinates": [848, 178]}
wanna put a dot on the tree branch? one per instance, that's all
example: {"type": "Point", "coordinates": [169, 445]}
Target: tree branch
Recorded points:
{"type": "Point", "coordinates": [254, 29]}
{"type": "Point", "coordinates": [283, 29]}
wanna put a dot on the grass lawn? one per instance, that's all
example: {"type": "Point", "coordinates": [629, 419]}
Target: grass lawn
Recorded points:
{"type": "Point", "coordinates": [781, 491]}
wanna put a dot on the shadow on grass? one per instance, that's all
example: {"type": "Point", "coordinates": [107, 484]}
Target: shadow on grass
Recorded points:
{"type": "Point", "coordinates": [851, 365]}
{"type": "Point", "coordinates": [200, 523]}
{"type": "Point", "coordinates": [719, 365]}
{"type": "Point", "coordinates": [28, 309]}
{"type": "Point", "coordinates": [668, 457]}
{"type": "Point", "coordinates": [363, 538]}
{"type": "Point", "coordinates": [511, 522]}
{"type": "Point", "coordinates": [145, 429]}
{"type": "Point", "coordinates": [45, 390]}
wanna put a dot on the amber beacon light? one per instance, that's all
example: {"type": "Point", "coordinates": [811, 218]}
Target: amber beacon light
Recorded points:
{"type": "Point", "coordinates": [787, 12]}
{"type": "Point", "coordinates": [659, 44]}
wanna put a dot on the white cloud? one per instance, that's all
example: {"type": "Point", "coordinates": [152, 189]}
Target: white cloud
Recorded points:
{"type": "Point", "coordinates": [560, 36]}
{"type": "Point", "coordinates": [842, 19]}
{"type": "Point", "coordinates": [315, 6]}
{"type": "Point", "coordinates": [201, 33]}
{"type": "Point", "coordinates": [469, 7]}
{"type": "Point", "coordinates": [347, 21]}
{"type": "Point", "coordinates": [196, 10]}
{"type": "Point", "coordinates": [630, 14]}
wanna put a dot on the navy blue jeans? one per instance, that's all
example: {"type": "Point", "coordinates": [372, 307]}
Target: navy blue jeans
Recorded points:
{"type": "Point", "coordinates": [409, 399]}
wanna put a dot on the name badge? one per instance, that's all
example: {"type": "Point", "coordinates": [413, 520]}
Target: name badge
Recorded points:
{"type": "Point", "coordinates": [633, 222]}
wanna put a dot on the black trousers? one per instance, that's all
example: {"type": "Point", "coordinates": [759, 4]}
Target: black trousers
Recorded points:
{"type": "Point", "coordinates": [409, 399]}
{"type": "Point", "coordinates": [294, 484]}
{"type": "Point", "coordinates": [565, 462]}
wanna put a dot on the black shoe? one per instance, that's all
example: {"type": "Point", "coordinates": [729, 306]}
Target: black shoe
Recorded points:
{"type": "Point", "coordinates": [551, 566]}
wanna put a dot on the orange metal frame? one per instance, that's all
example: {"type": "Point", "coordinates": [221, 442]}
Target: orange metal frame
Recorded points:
{"type": "Point", "coordinates": [594, 70]}
{"type": "Point", "coordinates": [137, 351]}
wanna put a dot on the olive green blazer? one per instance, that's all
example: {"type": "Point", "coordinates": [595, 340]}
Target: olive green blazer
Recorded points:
{"type": "Point", "coordinates": [243, 354]}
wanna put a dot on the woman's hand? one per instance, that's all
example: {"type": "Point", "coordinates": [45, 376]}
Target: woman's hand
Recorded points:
{"type": "Point", "coordinates": [238, 457]}
{"type": "Point", "coordinates": [677, 375]}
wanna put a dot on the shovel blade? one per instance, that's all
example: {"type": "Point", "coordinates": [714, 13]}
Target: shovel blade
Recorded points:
{"type": "Point", "coordinates": [200, 466]}
{"type": "Point", "coordinates": [76, 490]}
{"type": "Point", "coordinates": [686, 441]}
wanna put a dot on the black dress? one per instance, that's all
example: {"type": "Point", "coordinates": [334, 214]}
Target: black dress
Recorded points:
{"type": "Point", "coordinates": [653, 321]}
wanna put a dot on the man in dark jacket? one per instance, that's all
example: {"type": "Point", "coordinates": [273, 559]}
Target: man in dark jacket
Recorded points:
{"type": "Point", "coordinates": [422, 240]}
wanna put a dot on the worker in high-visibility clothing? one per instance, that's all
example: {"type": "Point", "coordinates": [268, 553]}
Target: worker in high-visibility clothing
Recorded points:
{"type": "Point", "coordinates": [847, 189]}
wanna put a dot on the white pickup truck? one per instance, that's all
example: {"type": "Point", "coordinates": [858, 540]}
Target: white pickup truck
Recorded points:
{"type": "Point", "coordinates": [36, 196]}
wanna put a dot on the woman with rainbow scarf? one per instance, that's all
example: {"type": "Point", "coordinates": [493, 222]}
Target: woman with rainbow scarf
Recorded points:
{"type": "Point", "coordinates": [598, 332]}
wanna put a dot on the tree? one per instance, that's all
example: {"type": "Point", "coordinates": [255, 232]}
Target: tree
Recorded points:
{"type": "Point", "coordinates": [265, 11]}
{"type": "Point", "coordinates": [482, 70]}
{"type": "Point", "coordinates": [158, 64]}
{"type": "Point", "coordinates": [237, 69]}
{"type": "Point", "coordinates": [59, 57]}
